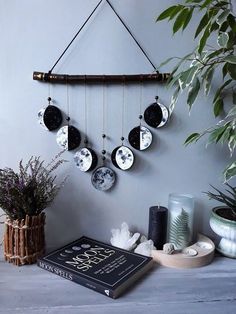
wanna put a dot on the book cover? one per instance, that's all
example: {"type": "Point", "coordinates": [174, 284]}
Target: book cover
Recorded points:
{"type": "Point", "coordinates": [96, 265]}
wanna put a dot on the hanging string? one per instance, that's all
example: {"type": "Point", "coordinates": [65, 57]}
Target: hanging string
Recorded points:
{"type": "Point", "coordinates": [123, 113]}
{"type": "Point", "coordinates": [103, 122]}
{"type": "Point", "coordinates": [67, 102]}
{"type": "Point", "coordinates": [140, 101]}
{"type": "Point", "coordinates": [85, 113]}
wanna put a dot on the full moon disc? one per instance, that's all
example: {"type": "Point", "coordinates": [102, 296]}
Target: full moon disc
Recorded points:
{"type": "Point", "coordinates": [50, 118]}
{"type": "Point", "coordinates": [140, 137]}
{"type": "Point", "coordinates": [103, 178]}
{"type": "Point", "coordinates": [156, 115]}
{"type": "Point", "coordinates": [68, 137]}
{"type": "Point", "coordinates": [85, 159]}
{"type": "Point", "coordinates": [122, 157]}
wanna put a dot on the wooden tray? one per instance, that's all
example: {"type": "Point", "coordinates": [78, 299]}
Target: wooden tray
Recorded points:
{"type": "Point", "coordinates": [204, 247]}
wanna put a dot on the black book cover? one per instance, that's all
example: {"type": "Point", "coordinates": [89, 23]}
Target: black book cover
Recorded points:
{"type": "Point", "coordinates": [96, 265]}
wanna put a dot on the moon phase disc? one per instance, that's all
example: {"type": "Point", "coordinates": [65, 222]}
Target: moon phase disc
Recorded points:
{"type": "Point", "coordinates": [156, 115]}
{"type": "Point", "coordinates": [103, 178]}
{"type": "Point", "coordinates": [122, 157]}
{"type": "Point", "coordinates": [140, 137]}
{"type": "Point", "coordinates": [50, 118]}
{"type": "Point", "coordinates": [68, 137]}
{"type": "Point", "coordinates": [85, 159]}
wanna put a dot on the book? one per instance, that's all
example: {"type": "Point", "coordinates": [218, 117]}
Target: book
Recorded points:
{"type": "Point", "coordinates": [96, 265]}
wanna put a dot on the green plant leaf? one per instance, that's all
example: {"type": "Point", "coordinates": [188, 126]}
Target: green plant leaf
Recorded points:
{"type": "Point", "coordinates": [180, 20]}
{"type": "Point", "coordinates": [204, 38]}
{"type": "Point", "coordinates": [232, 111]}
{"type": "Point", "coordinates": [226, 135]}
{"type": "Point", "coordinates": [204, 21]}
{"type": "Point", "coordinates": [232, 70]}
{"type": "Point", "coordinates": [232, 144]}
{"type": "Point", "coordinates": [205, 3]}
{"type": "Point", "coordinates": [230, 171]}
{"type": "Point", "coordinates": [207, 78]}
{"type": "Point", "coordinates": [230, 59]}
{"type": "Point", "coordinates": [234, 99]}
{"type": "Point", "coordinates": [187, 77]}
{"type": "Point", "coordinates": [232, 22]}
{"type": "Point", "coordinates": [167, 13]}
{"type": "Point", "coordinates": [225, 70]}
{"type": "Point", "coordinates": [188, 18]}
{"type": "Point", "coordinates": [179, 230]}
{"type": "Point", "coordinates": [222, 40]}
{"type": "Point", "coordinates": [218, 92]}
{"type": "Point", "coordinates": [193, 92]}
{"type": "Point", "coordinates": [194, 137]}
{"type": "Point", "coordinates": [222, 17]}
{"type": "Point", "coordinates": [175, 12]}
{"type": "Point", "coordinates": [218, 106]}
{"type": "Point", "coordinates": [216, 134]}
{"type": "Point", "coordinates": [174, 99]}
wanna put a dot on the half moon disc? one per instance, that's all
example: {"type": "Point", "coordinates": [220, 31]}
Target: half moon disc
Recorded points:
{"type": "Point", "coordinates": [156, 115]}
{"type": "Point", "coordinates": [50, 118]}
{"type": "Point", "coordinates": [140, 137]}
{"type": "Point", "coordinates": [103, 178]}
{"type": "Point", "coordinates": [68, 137]}
{"type": "Point", "coordinates": [85, 159]}
{"type": "Point", "coordinates": [122, 157]}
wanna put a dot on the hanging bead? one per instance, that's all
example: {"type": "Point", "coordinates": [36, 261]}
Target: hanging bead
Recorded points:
{"type": "Point", "coordinates": [103, 152]}
{"type": "Point", "coordinates": [122, 138]}
{"type": "Point", "coordinates": [140, 116]}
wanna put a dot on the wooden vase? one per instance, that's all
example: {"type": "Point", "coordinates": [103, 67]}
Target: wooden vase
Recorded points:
{"type": "Point", "coordinates": [24, 239]}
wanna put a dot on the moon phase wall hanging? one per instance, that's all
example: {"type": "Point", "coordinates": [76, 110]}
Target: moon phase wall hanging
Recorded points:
{"type": "Point", "coordinates": [85, 158]}
{"type": "Point", "coordinates": [103, 178]}
{"type": "Point", "coordinates": [68, 137]}
{"type": "Point", "coordinates": [156, 115]}
{"type": "Point", "coordinates": [122, 156]}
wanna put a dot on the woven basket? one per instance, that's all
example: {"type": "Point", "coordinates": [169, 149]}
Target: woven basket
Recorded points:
{"type": "Point", "coordinates": [24, 239]}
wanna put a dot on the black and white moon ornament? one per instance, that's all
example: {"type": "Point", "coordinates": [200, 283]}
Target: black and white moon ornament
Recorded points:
{"type": "Point", "coordinates": [156, 115]}
{"type": "Point", "coordinates": [50, 118]}
{"type": "Point", "coordinates": [122, 157]}
{"type": "Point", "coordinates": [103, 178]}
{"type": "Point", "coordinates": [68, 137]}
{"type": "Point", "coordinates": [140, 137]}
{"type": "Point", "coordinates": [85, 159]}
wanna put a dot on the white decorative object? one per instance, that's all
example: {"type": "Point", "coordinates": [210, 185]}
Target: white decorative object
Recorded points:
{"type": "Point", "coordinates": [145, 247]}
{"type": "Point", "coordinates": [168, 248]}
{"type": "Point", "coordinates": [123, 238]}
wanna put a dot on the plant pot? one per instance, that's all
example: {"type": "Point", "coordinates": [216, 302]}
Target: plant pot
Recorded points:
{"type": "Point", "coordinates": [24, 239]}
{"type": "Point", "coordinates": [226, 229]}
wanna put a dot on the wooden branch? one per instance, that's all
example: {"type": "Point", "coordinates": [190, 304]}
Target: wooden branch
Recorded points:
{"type": "Point", "coordinates": [78, 79]}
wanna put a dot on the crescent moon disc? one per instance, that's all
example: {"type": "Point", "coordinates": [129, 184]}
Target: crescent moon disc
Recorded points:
{"type": "Point", "coordinates": [122, 157]}
{"type": "Point", "coordinates": [68, 137]}
{"type": "Point", "coordinates": [140, 137]}
{"type": "Point", "coordinates": [85, 159]}
{"type": "Point", "coordinates": [103, 178]}
{"type": "Point", "coordinates": [50, 118]}
{"type": "Point", "coordinates": [156, 115]}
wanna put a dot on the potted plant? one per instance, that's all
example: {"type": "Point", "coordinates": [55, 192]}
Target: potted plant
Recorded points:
{"type": "Point", "coordinates": [223, 220]}
{"type": "Point", "coordinates": [23, 196]}
{"type": "Point", "coordinates": [213, 58]}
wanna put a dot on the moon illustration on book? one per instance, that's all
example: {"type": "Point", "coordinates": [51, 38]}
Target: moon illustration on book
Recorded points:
{"type": "Point", "coordinates": [122, 157]}
{"type": "Point", "coordinates": [103, 178]}
{"type": "Point", "coordinates": [156, 115]}
{"type": "Point", "coordinates": [140, 137]}
{"type": "Point", "coordinates": [85, 246]}
{"type": "Point", "coordinates": [76, 248]}
{"type": "Point", "coordinates": [68, 137]}
{"type": "Point", "coordinates": [50, 118]}
{"type": "Point", "coordinates": [85, 159]}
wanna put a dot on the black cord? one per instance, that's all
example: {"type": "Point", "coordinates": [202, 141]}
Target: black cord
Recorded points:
{"type": "Point", "coordinates": [108, 2]}
{"type": "Point", "coordinates": [126, 27]}
{"type": "Point", "coordinates": [50, 71]}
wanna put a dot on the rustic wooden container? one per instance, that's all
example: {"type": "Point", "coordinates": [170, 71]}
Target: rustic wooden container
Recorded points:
{"type": "Point", "coordinates": [24, 239]}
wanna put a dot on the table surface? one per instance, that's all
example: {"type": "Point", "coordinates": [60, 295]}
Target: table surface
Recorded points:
{"type": "Point", "coordinates": [210, 289]}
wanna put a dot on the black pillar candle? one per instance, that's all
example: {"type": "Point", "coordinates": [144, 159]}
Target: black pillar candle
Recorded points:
{"type": "Point", "coordinates": [157, 225]}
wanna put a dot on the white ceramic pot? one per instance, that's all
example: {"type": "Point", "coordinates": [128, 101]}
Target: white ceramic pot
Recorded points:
{"type": "Point", "coordinates": [226, 229]}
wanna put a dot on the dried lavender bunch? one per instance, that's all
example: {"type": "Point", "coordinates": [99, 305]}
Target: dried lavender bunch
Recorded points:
{"type": "Point", "coordinates": [32, 189]}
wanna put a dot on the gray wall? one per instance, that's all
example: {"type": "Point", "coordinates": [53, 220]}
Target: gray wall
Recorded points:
{"type": "Point", "coordinates": [33, 34]}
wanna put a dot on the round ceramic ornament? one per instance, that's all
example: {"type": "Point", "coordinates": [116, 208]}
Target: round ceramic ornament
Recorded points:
{"type": "Point", "coordinates": [156, 115]}
{"type": "Point", "coordinates": [140, 137]}
{"type": "Point", "coordinates": [103, 178]}
{"type": "Point", "coordinates": [68, 137]}
{"type": "Point", "coordinates": [122, 157]}
{"type": "Point", "coordinates": [50, 118]}
{"type": "Point", "coordinates": [85, 159]}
